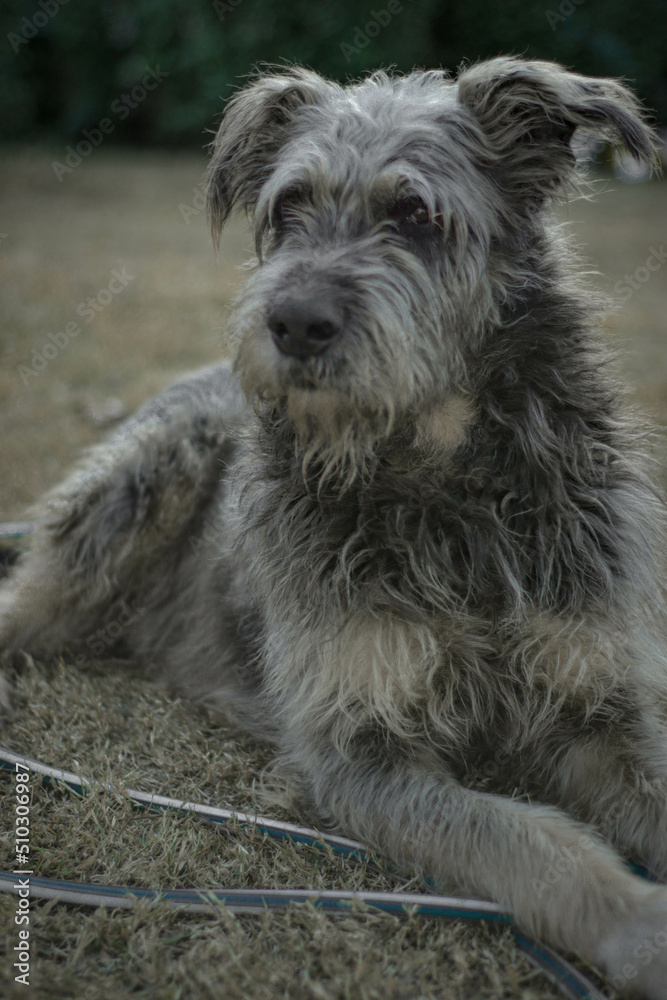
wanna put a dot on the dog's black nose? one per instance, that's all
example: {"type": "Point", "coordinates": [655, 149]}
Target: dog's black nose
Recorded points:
{"type": "Point", "coordinates": [302, 329]}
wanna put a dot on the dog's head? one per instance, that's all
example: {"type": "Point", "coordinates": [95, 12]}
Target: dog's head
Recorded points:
{"type": "Point", "coordinates": [395, 220]}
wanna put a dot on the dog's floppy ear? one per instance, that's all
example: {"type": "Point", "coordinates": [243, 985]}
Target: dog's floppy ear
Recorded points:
{"type": "Point", "coordinates": [529, 111]}
{"type": "Point", "coordinates": [255, 125]}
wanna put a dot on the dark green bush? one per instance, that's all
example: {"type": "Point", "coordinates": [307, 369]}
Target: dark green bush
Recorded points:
{"type": "Point", "coordinates": [63, 65]}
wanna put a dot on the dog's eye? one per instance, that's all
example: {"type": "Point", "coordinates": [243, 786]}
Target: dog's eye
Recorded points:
{"type": "Point", "coordinates": [420, 215]}
{"type": "Point", "coordinates": [411, 211]}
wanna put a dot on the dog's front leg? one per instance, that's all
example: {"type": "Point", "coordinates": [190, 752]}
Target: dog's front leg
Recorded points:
{"type": "Point", "coordinates": [617, 781]}
{"type": "Point", "coordinates": [561, 882]}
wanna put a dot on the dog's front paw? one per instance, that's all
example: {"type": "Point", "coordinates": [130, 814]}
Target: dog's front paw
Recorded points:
{"type": "Point", "coordinates": [634, 954]}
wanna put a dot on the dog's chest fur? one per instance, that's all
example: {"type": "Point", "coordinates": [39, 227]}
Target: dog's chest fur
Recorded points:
{"type": "Point", "coordinates": [398, 602]}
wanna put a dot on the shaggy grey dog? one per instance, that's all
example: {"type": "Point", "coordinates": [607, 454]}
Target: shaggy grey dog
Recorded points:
{"type": "Point", "coordinates": [409, 537]}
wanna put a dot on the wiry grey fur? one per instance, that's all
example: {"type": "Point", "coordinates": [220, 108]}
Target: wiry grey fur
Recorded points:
{"type": "Point", "coordinates": [429, 549]}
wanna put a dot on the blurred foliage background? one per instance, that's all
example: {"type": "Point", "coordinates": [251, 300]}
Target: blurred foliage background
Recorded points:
{"type": "Point", "coordinates": [63, 65]}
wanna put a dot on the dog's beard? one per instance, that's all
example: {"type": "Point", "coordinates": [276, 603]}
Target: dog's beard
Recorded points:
{"type": "Point", "coordinates": [336, 438]}
{"type": "Point", "coordinates": [334, 434]}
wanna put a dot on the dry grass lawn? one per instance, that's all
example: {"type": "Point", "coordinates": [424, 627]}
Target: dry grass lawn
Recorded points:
{"type": "Point", "coordinates": [59, 246]}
